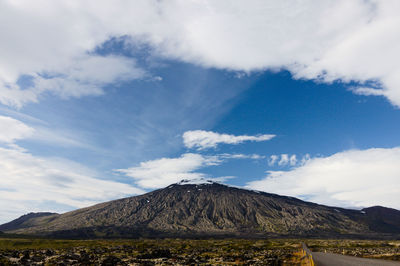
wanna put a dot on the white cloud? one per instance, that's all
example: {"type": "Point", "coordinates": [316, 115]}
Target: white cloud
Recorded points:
{"type": "Point", "coordinates": [287, 159]}
{"type": "Point", "coordinates": [91, 72]}
{"type": "Point", "coordinates": [84, 76]}
{"type": "Point", "coordinates": [305, 159]}
{"type": "Point", "coordinates": [284, 160]}
{"type": "Point", "coordinates": [367, 91]}
{"type": "Point", "coordinates": [351, 178]}
{"type": "Point", "coordinates": [12, 130]}
{"type": "Point", "coordinates": [201, 139]}
{"type": "Point", "coordinates": [54, 43]}
{"type": "Point", "coordinates": [324, 40]}
{"type": "Point", "coordinates": [165, 171]}
{"type": "Point", "coordinates": [273, 159]}
{"type": "Point", "coordinates": [28, 180]}
{"type": "Point", "coordinates": [293, 160]}
{"type": "Point", "coordinates": [240, 156]}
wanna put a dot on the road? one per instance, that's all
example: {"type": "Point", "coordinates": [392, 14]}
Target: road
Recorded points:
{"type": "Point", "coordinates": [330, 259]}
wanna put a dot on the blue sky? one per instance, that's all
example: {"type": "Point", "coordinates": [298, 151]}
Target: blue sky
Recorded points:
{"type": "Point", "coordinates": [98, 103]}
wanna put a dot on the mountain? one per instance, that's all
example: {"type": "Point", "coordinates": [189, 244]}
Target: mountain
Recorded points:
{"type": "Point", "coordinates": [383, 219]}
{"type": "Point", "coordinates": [209, 209]}
{"type": "Point", "coordinates": [26, 221]}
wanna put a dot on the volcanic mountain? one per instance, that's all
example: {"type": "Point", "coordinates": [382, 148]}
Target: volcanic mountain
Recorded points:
{"type": "Point", "coordinates": [209, 209]}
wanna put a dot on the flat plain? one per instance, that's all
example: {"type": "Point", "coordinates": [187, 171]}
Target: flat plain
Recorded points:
{"type": "Point", "coordinates": [183, 251]}
{"type": "Point", "coordinates": [150, 252]}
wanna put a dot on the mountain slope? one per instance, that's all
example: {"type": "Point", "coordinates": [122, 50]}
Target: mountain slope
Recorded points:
{"type": "Point", "coordinates": [26, 221]}
{"type": "Point", "coordinates": [209, 209]}
{"type": "Point", "coordinates": [383, 219]}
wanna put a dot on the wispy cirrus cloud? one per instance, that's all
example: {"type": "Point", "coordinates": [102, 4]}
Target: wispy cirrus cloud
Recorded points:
{"type": "Point", "coordinates": [201, 139]}
{"type": "Point", "coordinates": [13, 130]}
{"type": "Point", "coordinates": [351, 178]}
{"type": "Point", "coordinates": [28, 182]}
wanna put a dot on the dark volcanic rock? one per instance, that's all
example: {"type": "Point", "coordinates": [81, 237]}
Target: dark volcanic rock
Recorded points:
{"type": "Point", "coordinates": [111, 261]}
{"type": "Point", "coordinates": [210, 210]}
{"type": "Point", "coordinates": [383, 219]}
{"type": "Point", "coordinates": [27, 220]}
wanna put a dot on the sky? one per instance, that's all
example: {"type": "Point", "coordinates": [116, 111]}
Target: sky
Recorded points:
{"type": "Point", "coordinates": [107, 99]}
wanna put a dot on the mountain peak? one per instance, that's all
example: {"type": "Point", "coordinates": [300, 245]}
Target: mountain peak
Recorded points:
{"type": "Point", "coordinates": [197, 181]}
